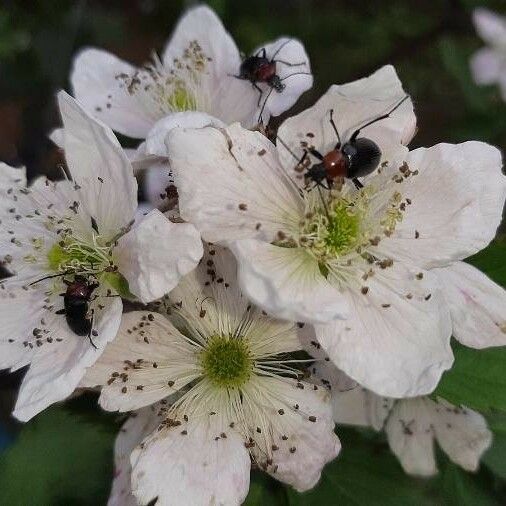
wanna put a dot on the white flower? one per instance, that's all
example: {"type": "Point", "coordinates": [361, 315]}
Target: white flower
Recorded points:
{"type": "Point", "coordinates": [411, 425]}
{"type": "Point", "coordinates": [83, 229]}
{"type": "Point", "coordinates": [138, 426]}
{"type": "Point", "coordinates": [195, 73]}
{"type": "Point", "coordinates": [477, 305]}
{"type": "Point", "coordinates": [237, 395]}
{"type": "Point", "coordinates": [356, 266]}
{"type": "Point", "coordinates": [488, 65]}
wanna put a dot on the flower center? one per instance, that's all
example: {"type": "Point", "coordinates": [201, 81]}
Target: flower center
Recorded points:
{"type": "Point", "coordinates": [181, 99]}
{"type": "Point", "coordinates": [72, 255]}
{"type": "Point", "coordinates": [342, 228]}
{"type": "Point", "coordinates": [227, 362]}
{"type": "Point", "coordinates": [165, 87]}
{"type": "Point", "coordinates": [333, 231]}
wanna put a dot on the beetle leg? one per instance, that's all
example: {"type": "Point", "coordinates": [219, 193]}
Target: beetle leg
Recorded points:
{"type": "Point", "coordinates": [255, 85]}
{"type": "Point", "coordinates": [91, 329]}
{"type": "Point", "coordinates": [60, 311]}
{"type": "Point", "coordinates": [263, 106]}
{"type": "Point", "coordinates": [279, 49]}
{"type": "Point", "coordinates": [357, 183]}
{"type": "Point", "coordinates": [290, 64]}
{"type": "Point", "coordinates": [316, 154]}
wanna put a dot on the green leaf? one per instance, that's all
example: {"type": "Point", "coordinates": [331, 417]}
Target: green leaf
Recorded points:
{"type": "Point", "coordinates": [365, 474]}
{"type": "Point", "coordinates": [59, 458]}
{"type": "Point", "coordinates": [464, 489]}
{"type": "Point", "coordinates": [477, 379]}
{"type": "Point", "coordinates": [265, 491]}
{"type": "Point", "coordinates": [495, 457]}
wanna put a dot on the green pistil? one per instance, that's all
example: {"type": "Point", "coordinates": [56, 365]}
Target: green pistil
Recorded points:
{"type": "Point", "coordinates": [181, 99]}
{"type": "Point", "coordinates": [227, 362]}
{"type": "Point", "coordinates": [342, 229]}
{"type": "Point", "coordinates": [71, 255]}
{"type": "Point", "coordinates": [334, 234]}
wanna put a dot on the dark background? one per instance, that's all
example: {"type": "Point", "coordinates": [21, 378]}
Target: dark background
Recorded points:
{"type": "Point", "coordinates": [429, 42]}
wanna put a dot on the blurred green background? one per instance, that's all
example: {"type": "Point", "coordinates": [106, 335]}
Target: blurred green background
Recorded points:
{"type": "Point", "coordinates": [64, 456]}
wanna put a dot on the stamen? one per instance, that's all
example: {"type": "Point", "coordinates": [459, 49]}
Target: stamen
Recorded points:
{"type": "Point", "coordinates": [164, 88]}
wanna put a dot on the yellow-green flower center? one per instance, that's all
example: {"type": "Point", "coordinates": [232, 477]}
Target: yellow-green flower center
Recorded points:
{"type": "Point", "coordinates": [227, 362]}
{"type": "Point", "coordinates": [342, 229]}
{"type": "Point", "coordinates": [181, 99]}
{"type": "Point", "coordinates": [333, 231]}
{"type": "Point", "coordinates": [74, 256]}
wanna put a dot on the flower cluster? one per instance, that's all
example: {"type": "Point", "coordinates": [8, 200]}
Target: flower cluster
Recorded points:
{"type": "Point", "coordinates": [282, 284]}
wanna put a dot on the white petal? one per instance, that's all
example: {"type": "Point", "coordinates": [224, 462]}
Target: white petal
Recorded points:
{"type": "Point", "coordinates": [143, 209]}
{"type": "Point", "coordinates": [462, 433]}
{"type": "Point", "coordinates": [286, 282]}
{"type": "Point", "coordinates": [411, 436]}
{"type": "Point", "coordinates": [134, 430]}
{"type": "Point", "coordinates": [11, 177]}
{"type": "Point", "coordinates": [351, 403]}
{"type": "Point", "coordinates": [202, 24]}
{"type": "Point", "coordinates": [354, 104]}
{"type": "Point", "coordinates": [396, 341]}
{"type": "Point", "coordinates": [200, 467]}
{"type": "Point", "coordinates": [296, 77]}
{"type": "Point", "coordinates": [158, 182]}
{"type": "Point", "coordinates": [490, 26]}
{"type": "Point", "coordinates": [302, 430]}
{"type": "Point", "coordinates": [57, 137]}
{"type": "Point", "coordinates": [94, 155]}
{"type": "Point", "coordinates": [486, 66]}
{"type": "Point", "coordinates": [237, 100]}
{"type": "Point", "coordinates": [156, 253]}
{"type": "Point", "coordinates": [477, 305]}
{"type": "Point", "coordinates": [155, 140]}
{"type": "Point", "coordinates": [59, 364]}
{"type": "Point", "coordinates": [140, 159]}
{"type": "Point", "coordinates": [148, 361]}
{"type": "Point", "coordinates": [20, 313]}
{"type": "Point", "coordinates": [361, 407]}
{"type": "Point", "coordinates": [96, 87]}
{"type": "Point", "coordinates": [232, 187]}
{"type": "Point", "coordinates": [210, 295]}
{"type": "Point", "coordinates": [231, 99]}
{"type": "Point", "coordinates": [457, 201]}
{"type": "Point", "coordinates": [13, 180]}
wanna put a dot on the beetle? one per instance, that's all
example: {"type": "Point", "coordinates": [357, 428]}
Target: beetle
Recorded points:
{"type": "Point", "coordinates": [76, 306]}
{"type": "Point", "coordinates": [258, 68]}
{"type": "Point", "coordinates": [76, 303]}
{"type": "Point", "coordinates": [357, 157]}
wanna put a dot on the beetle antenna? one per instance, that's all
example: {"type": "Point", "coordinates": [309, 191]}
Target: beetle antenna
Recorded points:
{"type": "Point", "coordinates": [323, 202]}
{"type": "Point", "coordinates": [285, 145]}
{"type": "Point", "coordinates": [334, 126]}
{"type": "Point", "coordinates": [50, 277]}
{"type": "Point", "coordinates": [379, 118]}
